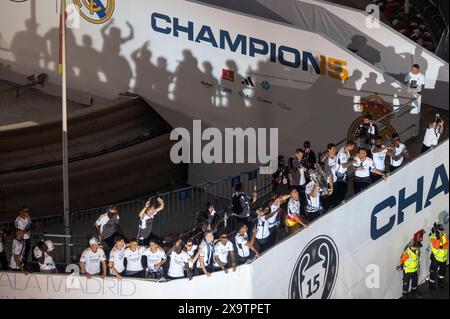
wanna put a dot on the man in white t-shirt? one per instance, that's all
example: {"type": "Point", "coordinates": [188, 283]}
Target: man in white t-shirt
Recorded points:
{"type": "Point", "coordinates": [379, 153]}
{"type": "Point", "coordinates": [93, 260]}
{"type": "Point", "coordinates": [156, 257]}
{"type": "Point", "coordinates": [107, 226]}
{"type": "Point", "coordinates": [18, 248]}
{"type": "Point", "coordinates": [44, 253]}
{"type": "Point", "coordinates": [266, 224]}
{"type": "Point", "coordinates": [3, 259]}
{"type": "Point", "coordinates": [313, 203]}
{"type": "Point", "coordinates": [433, 133]}
{"type": "Point", "coordinates": [293, 220]}
{"type": "Point", "coordinates": [244, 245]}
{"type": "Point", "coordinates": [222, 250]}
{"type": "Point", "coordinates": [399, 154]}
{"type": "Point", "coordinates": [344, 161]}
{"type": "Point", "coordinates": [179, 262]}
{"type": "Point", "coordinates": [415, 82]}
{"type": "Point", "coordinates": [116, 262]}
{"type": "Point", "coordinates": [191, 249]}
{"type": "Point", "coordinates": [330, 168]}
{"type": "Point", "coordinates": [133, 255]}
{"type": "Point", "coordinates": [23, 222]}
{"type": "Point", "coordinates": [206, 254]}
{"type": "Point", "coordinates": [364, 165]}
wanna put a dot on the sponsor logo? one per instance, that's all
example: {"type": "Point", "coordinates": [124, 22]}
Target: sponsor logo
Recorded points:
{"type": "Point", "coordinates": [219, 38]}
{"type": "Point", "coordinates": [248, 82]}
{"type": "Point", "coordinates": [265, 85]}
{"type": "Point", "coordinates": [224, 89]}
{"type": "Point", "coordinates": [316, 270]}
{"type": "Point", "coordinates": [243, 94]}
{"type": "Point", "coordinates": [96, 11]}
{"type": "Point", "coordinates": [263, 100]}
{"type": "Point", "coordinates": [228, 75]}
{"type": "Point", "coordinates": [206, 85]}
{"type": "Point", "coordinates": [284, 106]}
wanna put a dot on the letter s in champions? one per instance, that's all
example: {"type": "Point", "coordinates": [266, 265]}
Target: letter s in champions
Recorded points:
{"type": "Point", "coordinates": [253, 47]}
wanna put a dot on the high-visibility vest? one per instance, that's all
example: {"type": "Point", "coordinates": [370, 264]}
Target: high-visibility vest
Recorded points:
{"type": "Point", "coordinates": [439, 254]}
{"type": "Point", "coordinates": [412, 263]}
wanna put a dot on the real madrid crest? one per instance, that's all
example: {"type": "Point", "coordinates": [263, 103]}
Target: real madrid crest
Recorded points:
{"type": "Point", "coordinates": [96, 11]}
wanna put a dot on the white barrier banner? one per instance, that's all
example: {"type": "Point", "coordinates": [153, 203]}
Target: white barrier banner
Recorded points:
{"type": "Point", "coordinates": [353, 251]}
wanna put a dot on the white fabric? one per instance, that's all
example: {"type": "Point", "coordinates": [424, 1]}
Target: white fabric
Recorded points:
{"type": "Point", "coordinates": [134, 259]}
{"type": "Point", "coordinates": [22, 224]}
{"type": "Point", "coordinates": [177, 264]}
{"type": "Point", "coordinates": [313, 202]}
{"type": "Point", "coordinates": [93, 260]}
{"type": "Point", "coordinates": [415, 82]}
{"type": "Point", "coordinates": [398, 150]}
{"type": "Point", "coordinates": [431, 137]}
{"type": "Point", "coordinates": [293, 207]}
{"type": "Point", "coordinates": [343, 157]}
{"type": "Point", "coordinates": [203, 252]}
{"type": "Point", "coordinates": [262, 228]}
{"type": "Point", "coordinates": [379, 159]}
{"type": "Point", "coordinates": [368, 165]}
{"type": "Point", "coordinates": [272, 220]}
{"type": "Point", "coordinates": [48, 264]}
{"type": "Point", "coordinates": [222, 251]}
{"type": "Point", "coordinates": [18, 247]}
{"type": "Point", "coordinates": [241, 242]}
{"type": "Point", "coordinates": [191, 252]}
{"type": "Point", "coordinates": [102, 221]}
{"type": "Point", "coordinates": [117, 256]}
{"type": "Point", "coordinates": [153, 258]}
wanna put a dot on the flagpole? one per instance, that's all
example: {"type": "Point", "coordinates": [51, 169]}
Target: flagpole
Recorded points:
{"type": "Point", "coordinates": [64, 133]}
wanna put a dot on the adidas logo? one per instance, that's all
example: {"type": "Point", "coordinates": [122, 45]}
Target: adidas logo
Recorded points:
{"type": "Point", "coordinates": [248, 82]}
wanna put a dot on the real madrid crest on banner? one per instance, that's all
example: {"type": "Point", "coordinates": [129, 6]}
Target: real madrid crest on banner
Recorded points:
{"type": "Point", "coordinates": [315, 271]}
{"type": "Point", "coordinates": [96, 11]}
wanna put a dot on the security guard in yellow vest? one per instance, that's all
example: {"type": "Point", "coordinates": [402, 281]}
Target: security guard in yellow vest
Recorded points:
{"type": "Point", "coordinates": [410, 264]}
{"type": "Point", "coordinates": [439, 253]}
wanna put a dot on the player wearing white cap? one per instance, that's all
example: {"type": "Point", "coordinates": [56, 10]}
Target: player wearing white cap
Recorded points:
{"type": "Point", "coordinates": [92, 258]}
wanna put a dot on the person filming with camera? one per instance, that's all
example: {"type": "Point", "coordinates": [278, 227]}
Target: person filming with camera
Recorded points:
{"type": "Point", "coordinates": [433, 133]}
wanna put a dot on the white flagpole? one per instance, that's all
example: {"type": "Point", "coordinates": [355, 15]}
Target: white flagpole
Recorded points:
{"type": "Point", "coordinates": [64, 134]}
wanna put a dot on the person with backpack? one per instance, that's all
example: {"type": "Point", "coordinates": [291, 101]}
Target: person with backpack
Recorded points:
{"type": "Point", "coordinates": [241, 204]}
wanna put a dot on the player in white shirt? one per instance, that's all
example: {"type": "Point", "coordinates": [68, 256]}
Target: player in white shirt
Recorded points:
{"type": "Point", "coordinates": [416, 83]}
{"type": "Point", "coordinates": [3, 259]}
{"type": "Point", "coordinates": [344, 160]}
{"type": "Point", "coordinates": [92, 258]}
{"type": "Point", "coordinates": [364, 165]}
{"type": "Point", "coordinates": [399, 154]}
{"type": "Point", "coordinates": [330, 168]}
{"type": "Point", "coordinates": [266, 224]}
{"type": "Point", "coordinates": [293, 220]}
{"type": "Point", "coordinates": [313, 203]}
{"type": "Point", "coordinates": [146, 218]}
{"type": "Point", "coordinates": [44, 253]}
{"type": "Point", "coordinates": [192, 250]}
{"type": "Point", "coordinates": [206, 255]}
{"type": "Point", "coordinates": [244, 245]}
{"type": "Point", "coordinates": [379, 153]}
{"type": "Point", "coordinates": [18, 248]}
{"type": "Point", "coordinates": [117, 258]}
{"type": "Point", "coordinates": [433, 133]}
{"type": "Point", "coordinates": [179, 262]}
{"type": "Point", "coordinates": [107, 226]}
{"type": "Point", "coordinates": [133, 255]}
{"type": "Point", "coordinates": [156, 257]}
{"type": "Point", "coordinates": [23, 222]}
{"type": "Point", "coordinates": [222, 250]}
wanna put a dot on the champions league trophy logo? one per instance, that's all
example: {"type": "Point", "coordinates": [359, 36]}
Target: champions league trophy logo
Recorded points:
{"type": "Point", "coordinates": [315, 271]}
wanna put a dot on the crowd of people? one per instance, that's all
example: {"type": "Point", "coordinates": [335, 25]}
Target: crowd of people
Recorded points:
{"type": "Point", "coordinates": [303, 189]}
